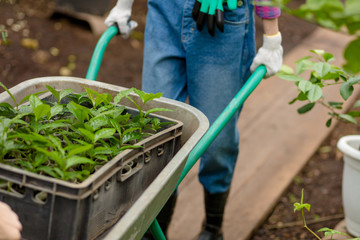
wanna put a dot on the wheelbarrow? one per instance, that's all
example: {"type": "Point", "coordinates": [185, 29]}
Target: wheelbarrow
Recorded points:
{"type": "Point", "coordinates": [140, 216]}
{"type": "Point", "coordinates": [123, 230]}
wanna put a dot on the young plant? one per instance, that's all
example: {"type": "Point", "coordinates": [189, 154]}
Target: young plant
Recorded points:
{"type": "Point", "coordinates": [327, 231]}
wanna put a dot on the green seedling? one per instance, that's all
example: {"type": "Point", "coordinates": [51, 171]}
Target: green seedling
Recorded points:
{"type": "Point", "coordinates": [328, 232]}
{"type": "Point", "coordinates": [68, 136]}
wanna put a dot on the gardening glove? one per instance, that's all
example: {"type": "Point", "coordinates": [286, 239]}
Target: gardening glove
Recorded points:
{"type": "Point", "coordinates": [214, 12]}
{"type": "Point", "coordinates": [270, 54]}
{"type": "Point", "coordinates": [120, 14]}
{"type": "Point", "coordinates": [10, 225]}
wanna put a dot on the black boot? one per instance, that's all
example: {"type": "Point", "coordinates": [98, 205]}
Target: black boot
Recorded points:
{"type": "Point", "coordinates": [164, 217]}
{"type": "Point", "coordinates": [214, 207]}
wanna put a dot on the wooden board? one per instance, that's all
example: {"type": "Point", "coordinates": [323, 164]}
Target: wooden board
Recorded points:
{"type": "Point", "coordinates": [275, 143]}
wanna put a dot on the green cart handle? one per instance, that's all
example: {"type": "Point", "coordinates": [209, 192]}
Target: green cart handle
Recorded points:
{"type": "Point", "coordinates": [213, 130]}
{"type": "Point", "coordinates": [99, 51]}
{"type": "Point", "coordinates": [223, 119]}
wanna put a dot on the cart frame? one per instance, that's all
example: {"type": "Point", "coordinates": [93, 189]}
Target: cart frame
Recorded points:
{"type": "Point", "coordinates": [204, 142]}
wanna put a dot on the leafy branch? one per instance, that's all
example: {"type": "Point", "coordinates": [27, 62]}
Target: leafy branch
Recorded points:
{"type": "Point", "coordinates": [336, 15]}
{"type": "Point", "coordinates": [322, 74]}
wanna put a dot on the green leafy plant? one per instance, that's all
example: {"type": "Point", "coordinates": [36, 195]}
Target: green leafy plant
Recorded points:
{"type": "Point", "coordinates": [68, 135]}
{"type": "Point", "coordinates": [338, 15]}
{"type": "Point", "coordinates": [327, 231]}
{"type": "Point", "coordinates": [321, 74]}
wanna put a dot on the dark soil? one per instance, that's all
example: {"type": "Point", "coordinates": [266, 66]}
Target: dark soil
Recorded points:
{"type": "Point", "coordinates": [321, 180]}
{"type": "Point", "coordinates": [65, 47]}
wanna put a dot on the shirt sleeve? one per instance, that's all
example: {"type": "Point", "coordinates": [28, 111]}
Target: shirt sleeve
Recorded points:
{"type": "Point", "coordinates": [267, 12]}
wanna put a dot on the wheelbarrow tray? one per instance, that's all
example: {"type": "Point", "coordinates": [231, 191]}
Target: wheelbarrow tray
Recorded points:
{"type": "Point", "coordinates": [85, 210]}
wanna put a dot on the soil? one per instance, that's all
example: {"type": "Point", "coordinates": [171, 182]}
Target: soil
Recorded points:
{"type": "Point", "coordinates": [321, 180]}
{"type": "Point", "coordinates": [56, 44]}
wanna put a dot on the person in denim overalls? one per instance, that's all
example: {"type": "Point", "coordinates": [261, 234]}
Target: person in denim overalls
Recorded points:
{"type": "Point", "coordinates": [207, 67]}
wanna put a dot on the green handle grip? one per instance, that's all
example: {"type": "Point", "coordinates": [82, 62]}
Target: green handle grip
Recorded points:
{"type": "Point", "coordinates": [99, 51]}
{"type": "Point", "coordinates": [223, 119]}
{"type": "Point", "coordinates": [214, 131]}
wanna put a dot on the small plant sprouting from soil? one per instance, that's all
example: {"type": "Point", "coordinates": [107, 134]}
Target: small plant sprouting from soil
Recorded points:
{"type": "Point", "coordinates": [328, 232]}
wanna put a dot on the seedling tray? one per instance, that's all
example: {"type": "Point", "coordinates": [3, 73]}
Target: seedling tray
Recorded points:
{"type": "Point", "coordinates": [137, 180]}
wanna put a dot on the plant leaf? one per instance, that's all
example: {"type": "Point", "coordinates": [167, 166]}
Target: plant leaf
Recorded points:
{"type": "Point", "coordinates": [102, 151]}
{"type": "Point", "coordinates": [348, 118]}
{"type": "Point", "coordinates": [104, 133]}
{"type": "Point", "coordinates": [318, 52]}
{"type": "Point", "coordinates": [145, 97]}
{"type": "Point", "coordinates": [52, 155]}
{"type": "Point", "coordinates": [34, 101]}
{"type": "Point", "coordinates": [52, 125]}
{"type": "Point", "coordinates": [64, 93]}
{"type": "Point", "coordinates": [322, 68]}
{"type": "Point", "coordinates": [7, 90]}
{"type": "Point", "coordinates": [346, 90]}
{"type": "Point", "coordinates": [329, 232]}
{"type": "Point", "coordinates": [86, 133]}
{"type": "Point", "coordinates": [7, 110]}
{"type": "Point", "coordinates": [131, 136]}
{"type": "Point", "coordinates": [79, 149]}
{"type": "Point", "coordinates": [76, 160]}
{"type": "Point", "coordinates": [54, 92]}
{"type": "Point", "coordinates": [96, 123]}
{"type": "Point", "coordinates": [41, 110]}
{"type": "Point", "coordinates": [26, 98]}
{"type": "Point", "coordinates": [285, 69]}
{"type": "Point", "coordinates": [49, 171]}
{"type": "Point", "coordinates": [314, 93]}
{"type": "Point", "coordinates": [122, 94]}
{"type": "Point", "coordinates": [357, 104]}
{"type": "Point", "coordinates": [328, 57]}
{"type": "Point", "coordinates": [306, 108]}
{"type": "Point", "coordinates": [289, 77]}
{"type": "Point", "coordinates": [351, 53]}
{"type": "Point", "coordinates": [303, 65]}
{"type": "Point", "coordinates": [116, 125]}
{"type": "Point", "coordinates": [54, 110]}
{"type": "Point", "coordinates": [80, 112]}
{"type": "Point", "coordinates": [328, 122]}
{"type": "Point", "coordinates": [304, 85]}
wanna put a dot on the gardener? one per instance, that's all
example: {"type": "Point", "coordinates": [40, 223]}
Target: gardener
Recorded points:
{"type": "Point", "coordinates": [208, 66]}
{"type": "Point", "coordinates": [10, 225]}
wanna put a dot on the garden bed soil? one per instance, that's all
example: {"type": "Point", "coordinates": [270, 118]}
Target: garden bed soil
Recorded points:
{"type": "Point", "coordinates": [321, 180]}
{"type": "Point", "coordinates": [59, 45]}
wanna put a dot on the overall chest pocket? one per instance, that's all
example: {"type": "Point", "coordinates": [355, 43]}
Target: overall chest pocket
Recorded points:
{"type": "Point", "coordinates": [238, 16]}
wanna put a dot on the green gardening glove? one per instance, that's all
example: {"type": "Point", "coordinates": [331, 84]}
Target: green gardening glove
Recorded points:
{"type": "Point", "coordinates": [214, 12]}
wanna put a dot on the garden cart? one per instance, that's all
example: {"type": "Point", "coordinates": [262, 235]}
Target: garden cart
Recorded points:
{"type": "Point", "coordinates": [111, 204]}
{"type": "Point", "coordinates": [118, 231]}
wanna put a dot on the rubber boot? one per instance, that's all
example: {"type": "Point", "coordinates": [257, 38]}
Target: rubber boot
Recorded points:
{"type": "Point", "coordinates": [214, 209]}
{"type": "Point", "coordinates": [164, 217]}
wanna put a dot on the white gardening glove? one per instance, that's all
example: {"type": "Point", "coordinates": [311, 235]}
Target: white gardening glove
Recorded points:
{"type": "Point", "coordinates": [121, 14]}
{"type": "Point", "coordinates": [270, 54]}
